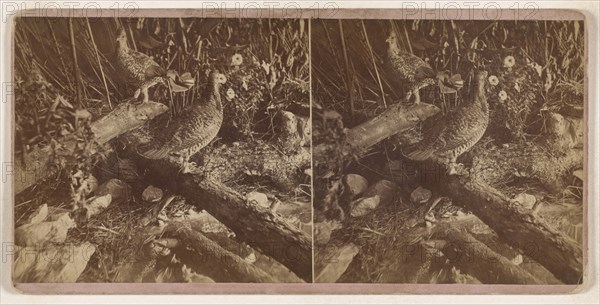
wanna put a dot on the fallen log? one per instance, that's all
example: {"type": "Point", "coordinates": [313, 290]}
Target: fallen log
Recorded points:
{"type": "Point", "coordinates": [475, 258]}
{"type": "Point", "coordinates": [199, 252]}
{"type": "Point", "coordinates": [39, 164]}
{"type": "Point", "coordinates": [558, 253]}
{"type": "Point", "coordinates": [255, 225]}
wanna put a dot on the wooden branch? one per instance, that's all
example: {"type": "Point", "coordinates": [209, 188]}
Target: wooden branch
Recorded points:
{"type": "Point", "coordinates": [395, 119]}
{"type": "Point", "coordinates": [39, 163]}
{"type": "Point", "coordinates": [473, 257]}
{"type": "Point", "coordinates": [555, 251]}
{"type": "Point", "coordinates": [215, 262]}
{"type": "Point", "coordinates": [256, 226]}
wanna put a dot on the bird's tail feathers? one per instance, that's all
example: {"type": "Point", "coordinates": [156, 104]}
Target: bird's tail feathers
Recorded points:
{"type": "Point", "coordinates": [417, 152]}
{"type": "Point", "coordinates": [153, 153]}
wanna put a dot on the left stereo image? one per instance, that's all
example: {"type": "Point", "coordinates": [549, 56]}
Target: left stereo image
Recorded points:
{"type": "Point", "coordinates": [162, 150]}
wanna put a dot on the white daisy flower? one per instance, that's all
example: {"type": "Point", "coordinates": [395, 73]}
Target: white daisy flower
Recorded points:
{"type": "Point", "coordinates": [493, 79]}
{"type": "Point", "coordinates": [502, 95]}
{"type": "Point", "coordinates": [230, 95]}
{"type": "Point", "coordinates": [509, 61]}
{"type": "Point", "coordinates": [237, 59]}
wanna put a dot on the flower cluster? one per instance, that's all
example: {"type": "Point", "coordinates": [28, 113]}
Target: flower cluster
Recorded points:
{"type": "Point", "coordinates": [513, 87]}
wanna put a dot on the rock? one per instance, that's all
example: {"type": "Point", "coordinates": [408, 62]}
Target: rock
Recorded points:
{"type": "Point", "coordinates": [517, 260]}
{"type": "Point", "coordinates": [38, 234]}
{"type": "Point", "coordinates": [385, 189]}
{"type": "Point", "coordinates": [190, 276]}
{"type": "Point", "coordinates": [355, 185]}
{"type": "Point", "coordinates": [332, 261]}
{"type": "Point", "coordinates": [420, 195]}
{"type": "Point", "coordinates": [525, 200]}
{"type": "Point", "coordinates": [258, 198]}
{"type": "Point", "coordinates": [56, 264]}
{"type": "Point", "coordinates": [363, 206]}
{"type": "Point", "coordinates": [119, 190]}
{"type": "Point", "coordinates": [250, 258]}
{"type": "Point", "coordinates": [152, 194]}
{"type": "Point", "coordinates": [579, 174]}
{"type": "Point", "coordinates": [97, 204]}
{"type": "Point", "coordinates": [40, 214]}
{"type": "Point", "coordinates": [323, 230]}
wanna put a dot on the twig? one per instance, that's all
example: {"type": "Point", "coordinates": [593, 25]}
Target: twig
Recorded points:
{"type": "Point", "coordinates": [349, 82]}
{"type": "Point", "coordinates": [76, 70]}
{"type": "Point", "coordinates": [87, 21]}
{"type": "Point", "coordinates": [105, 229]}
{"type": "Point", "coordinates": [407, 39]}
{"type": "Point", "coordinates": [374, 63]}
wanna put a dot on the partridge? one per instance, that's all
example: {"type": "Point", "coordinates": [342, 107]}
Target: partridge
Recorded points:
{"type": "Point", "coordinates": [138, 68]}
{"type": "Point", "coordinates": [195, 129]}
{"type": "Point", "coordinates": [452, 135]}
{"type": "Point", "coordinates": [414, 72]}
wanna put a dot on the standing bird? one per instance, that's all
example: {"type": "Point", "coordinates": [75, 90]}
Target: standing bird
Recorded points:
{"type": "Point", "coordinates": [138, 68]}
{"type": "Point", "coordinates": [197, 126]}
{"type": "Point", "coordinates": [454, 134]}
{"type": "Point", "coordinates": [410, 69]}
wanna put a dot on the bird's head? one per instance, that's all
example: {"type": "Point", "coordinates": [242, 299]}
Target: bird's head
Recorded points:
{"type": "Point", "coordinates": [121, 37]}
{"type": "Point", "coordinates": [392, 39]}
{"type": "Point", "coordinates": [481, 76]}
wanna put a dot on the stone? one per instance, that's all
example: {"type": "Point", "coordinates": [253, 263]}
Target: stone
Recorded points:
{"type": "Point", "coordinates": [323, 230]}
{"type": "Point", "coordinates": [258, 198]}
{"type": "Point", "coordinates": [525, 200]}
{"type": "Point", "coordinates": [38, 234]}
{"type": "Point", "coordinates": [420, 195]}
{"type": "Point", "coordinates": [40, 214]}
{"type": "Point", "coordinates": [364, 206]}
{"type": "Point", "coordinates": [119, 190]}
{"type": "Point", "coordinates": [97, 204]}
{"type": "Point", "coordinates": [355, 185]}
{"type": "Point", "coordinates": [579, 174]}
{"type": "Point", "coordinates": [332, 261]}
{"type": "Point", "coordinates": [152, 194]}
{"type": "Point", "coordinates": [54, 264]}
{"type": "Point", "coordinates": [385, 189]}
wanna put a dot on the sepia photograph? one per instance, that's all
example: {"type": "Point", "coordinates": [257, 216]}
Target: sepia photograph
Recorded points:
{"type": "Point", "coordinates": [448, 151]}
{"type": "Point", "coordinates": [162, 150]}
{"type": "Point", "coordinates": [253, 151]}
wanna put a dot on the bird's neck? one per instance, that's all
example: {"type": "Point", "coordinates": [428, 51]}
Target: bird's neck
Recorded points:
{"type": "Point", "coordinates": [215, 95]}
{"type": "Point", "coordinates": [480, 98]}
{"type": "Point", "coordinates": [393, 49]}
{"type": "Point", "coordinates": [122, 46]}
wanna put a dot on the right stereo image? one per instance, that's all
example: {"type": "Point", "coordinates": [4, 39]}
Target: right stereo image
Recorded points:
{"type": "Point", "coordinates": [448, 151]}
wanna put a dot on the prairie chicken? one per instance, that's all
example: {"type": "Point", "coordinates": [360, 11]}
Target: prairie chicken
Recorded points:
{"type": "Point", "coordinates": [196, 127]}
{"type": "Point", "coordinates": [414, 72]}
{"type": "Point", "coordinates": [452, 135]}
{"type": "Point", "coordinates": [138, 68]}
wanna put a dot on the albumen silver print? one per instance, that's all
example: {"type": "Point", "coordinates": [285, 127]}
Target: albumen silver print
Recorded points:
{"type": "Point", "coordinates": [285, 150]}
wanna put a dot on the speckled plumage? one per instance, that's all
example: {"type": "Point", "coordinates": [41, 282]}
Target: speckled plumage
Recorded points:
{"type": "Point", "coordinates": [452, 135]}
{"type": "Point", "coordinates": [138, 68]}
{"type": "Point", "coordinates": [414, 72]}
{"type": "Point", "coordinates": [196, 127]}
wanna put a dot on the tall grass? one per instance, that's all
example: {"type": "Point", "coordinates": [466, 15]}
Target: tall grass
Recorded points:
{"type": "Point", "coordinates": [275, 54]}
{"type": "Point", "coordinates": [362, 88]}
